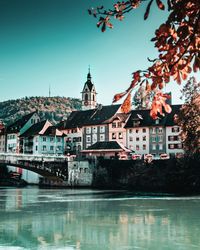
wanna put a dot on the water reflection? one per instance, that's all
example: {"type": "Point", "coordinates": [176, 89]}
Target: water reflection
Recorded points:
{"type": "Point", "coordinates": [84, 220]}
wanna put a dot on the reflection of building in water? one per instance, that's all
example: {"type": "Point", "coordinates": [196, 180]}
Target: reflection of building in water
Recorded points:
{"type": "Point", "coordinates": [84, 220]}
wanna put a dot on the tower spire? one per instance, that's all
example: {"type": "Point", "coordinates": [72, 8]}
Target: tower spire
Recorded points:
{"type": "Point", "coordinates": [89, 75]}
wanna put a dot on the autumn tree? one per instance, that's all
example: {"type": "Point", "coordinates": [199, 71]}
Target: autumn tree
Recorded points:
{"type": "Point", "coordinates": [177, 41]}
{"type": "Point", "coordinates": [189, 117]}
{"type": "Point", "coordinates": [142, 99]}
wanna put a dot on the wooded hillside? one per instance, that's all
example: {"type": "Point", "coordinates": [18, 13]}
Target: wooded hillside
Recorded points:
{"type": "Point", "coordinates": [51, 108]}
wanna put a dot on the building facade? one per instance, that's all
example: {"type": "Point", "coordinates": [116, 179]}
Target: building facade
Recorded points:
{"type": "Point", "coordinates": [2, 138]}
{"type": "Point", "coordinates": [14, 131]}
{"type": "Point", "coordinates": [43, 138]}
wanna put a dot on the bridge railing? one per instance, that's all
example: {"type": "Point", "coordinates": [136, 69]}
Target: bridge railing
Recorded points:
{"type": "Point", "coordinates": [11, 157]}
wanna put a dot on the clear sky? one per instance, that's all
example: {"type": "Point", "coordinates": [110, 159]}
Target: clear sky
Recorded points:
{"type": "Point", "coordinates": [52, 42]}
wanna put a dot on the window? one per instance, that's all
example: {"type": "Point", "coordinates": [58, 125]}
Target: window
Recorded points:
{"type": "Point", "coordinates": [102, 129]}
{"type": "Point", "coordinates": [144, 130]}
{"type": "Point", "coordinates": [160, 130]}
{"type": "Point", "coordinates": [153, 130]}
{"type": "Point", "coordinates": [157, 121]}
{"type": "Point", "coordinates": [175, 129]}
{"type": "Point", "coordinates": [160, 147]}
{"type": "Point", "coordinates": [88, 138]}
{"type": "Point", "coordinates": [44, 138]}
{"type": "Point", "coordinates": [171, 138]}
{"type": "Point", "coordinates": [137, 131]}
{"type": "Point", "coordinates": [144, 147]}
{"type": "Point", "coordinates": [137, 147]}
{"type": "Point", "coordinates": [102, 137]}
{"type": "Point", "coordinates": [119, 124]}
{"type": "Point", "coordinates": [69, 139]}
{"type": "Point", "coordinates": [114, 125]}
{"type": "Point", "coordinates": [153, 139]}
{"type": "Point", "coordinates": [44, 148]}
{"type": "Point", "coordinates": [86, 97]}
{"type": "Point", "coordinates": [94, 129]}
{"type": "Point", "coordinates": [113, 135]}
{"type": "Point", "coordinates": [32, 121]}
{"type": "Point", "coordinates": [130, 131]}
{"type": "Point", "coordinates": [88, 130]}
{"type": "Point", "coordinates": [58, 139]}
{"type": "Point", "coordinates": [120, 136]}
{"type": "Point", "coordinates": [160, 138]}
{"type": "Point", "coordinates": [130, 138]}
{"type": "Point", "coordinates": [59, 148]}
{"type": "Point", "coordinates": [136, 123]}
{"type": "Point", "coordinates": [88, 145]}
{"type": "Point", "coordinates": [153, 146]}
{"type": "Point", "coordinates": [36, 148]}
{"type": "Point", "coordinates": [144, 138]}
{"type": "Point", "coordinates": [94, 138]}
{"type": "Point", "coordinates": [137, 138]}
{"type": "Point", "coordinates": [51, 148]}
{"type": "Point", "coordinates": [51, 139]}
{"type": "Point", "coordinates": [171, 146]}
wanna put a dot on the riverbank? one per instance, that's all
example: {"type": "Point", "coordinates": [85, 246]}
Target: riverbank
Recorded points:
{"type": "Point", "coordinates": [173, 176]}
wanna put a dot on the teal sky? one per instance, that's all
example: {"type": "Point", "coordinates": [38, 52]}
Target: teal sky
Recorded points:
{"type": "Point", "coordinates": [52, 42]}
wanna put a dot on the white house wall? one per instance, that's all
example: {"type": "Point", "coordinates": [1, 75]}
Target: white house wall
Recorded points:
{"type": "Point", "coordinates": [119, 132]}
{"type": "Point", "coordinates": [176, 141]}
{"type": "Point", "coordinates": [50, 145]}
{"type": "Point", "coordinates": [135, 139]}
{"type": "Point", "coordinates": [12, 142]}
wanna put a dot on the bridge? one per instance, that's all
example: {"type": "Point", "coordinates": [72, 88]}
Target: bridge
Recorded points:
{"type": "Point", "coordinates": [51, 167]}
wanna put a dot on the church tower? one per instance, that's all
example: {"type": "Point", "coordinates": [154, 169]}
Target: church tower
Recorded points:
{"type": "Point", "coordinates": [89, 94]}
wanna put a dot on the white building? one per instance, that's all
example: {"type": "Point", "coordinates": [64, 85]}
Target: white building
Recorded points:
{"type": "Point", "coordinates": [173, 141]}
{"type": "Point", "coordinates": [43, 138]}
{"type": "Point", "coordinates": [16, 129]}
{"type": "Point", "coordinates": [137, 132]}
{"type": "Point", "coordinates": [156, 137]}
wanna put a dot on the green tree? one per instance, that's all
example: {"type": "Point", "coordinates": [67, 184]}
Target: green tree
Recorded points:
{"type": "Point", "coordinates": [189, 117]}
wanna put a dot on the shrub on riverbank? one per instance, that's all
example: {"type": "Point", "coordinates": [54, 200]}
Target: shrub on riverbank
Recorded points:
{"type": "Point", "coordinates": [173, 175]}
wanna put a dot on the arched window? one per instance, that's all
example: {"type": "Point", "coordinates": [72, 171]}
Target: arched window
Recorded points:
{"type": "Point", "coordinates": [86, 97]}
{"type": "Point", "coordinates": [93, 98]}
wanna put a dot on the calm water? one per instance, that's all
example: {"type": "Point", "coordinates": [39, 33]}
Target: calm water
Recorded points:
{"type": "Point", "coordinates": [33, 218]}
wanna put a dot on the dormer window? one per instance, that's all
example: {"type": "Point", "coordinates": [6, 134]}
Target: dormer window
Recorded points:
{"type": "Point", "coordinates": [157, 121]}
{"type": "Point", "coordinates": [114, 125]}
{"type": "Point", "coordinates": [136, 123]}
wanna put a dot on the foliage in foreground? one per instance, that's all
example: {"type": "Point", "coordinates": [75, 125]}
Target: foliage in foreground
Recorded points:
{"type": "Point", "coordinates": [177, 41]}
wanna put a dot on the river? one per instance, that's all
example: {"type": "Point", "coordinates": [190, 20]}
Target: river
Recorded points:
{"type": "Point", "coordinates": [33, 218]}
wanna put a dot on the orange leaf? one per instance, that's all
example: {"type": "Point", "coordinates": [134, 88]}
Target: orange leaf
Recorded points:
{"type": "Point", "coordinates": [160, 4]}
{"type": "Point", "coordinates": [117, 97]}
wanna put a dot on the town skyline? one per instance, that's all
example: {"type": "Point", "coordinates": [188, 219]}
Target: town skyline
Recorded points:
{"type": "Point", "coordinates": [54, 45]}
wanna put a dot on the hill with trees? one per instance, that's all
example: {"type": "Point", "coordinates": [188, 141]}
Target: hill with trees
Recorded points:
{"type": "Point", "coordinates": [52, 108]}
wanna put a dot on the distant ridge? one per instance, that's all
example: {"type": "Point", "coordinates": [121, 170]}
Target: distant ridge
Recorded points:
{"type": "Point", "coordinates": [54, 108]}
